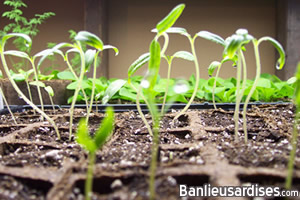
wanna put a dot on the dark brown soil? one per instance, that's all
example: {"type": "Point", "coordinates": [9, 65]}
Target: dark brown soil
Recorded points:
{"type": "Point", "coordinates": [199, 149]}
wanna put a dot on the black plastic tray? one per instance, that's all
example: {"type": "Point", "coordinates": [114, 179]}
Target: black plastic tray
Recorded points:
{"type": "Point", "coordinates": [132, 107]}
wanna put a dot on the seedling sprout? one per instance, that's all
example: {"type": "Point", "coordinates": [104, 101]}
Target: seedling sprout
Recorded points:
{"type": "Point", "coordinates": [92, 144]}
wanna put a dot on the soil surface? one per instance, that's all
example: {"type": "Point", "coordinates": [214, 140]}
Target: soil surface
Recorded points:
{"type": "Point", "coordinates": [198, 149]}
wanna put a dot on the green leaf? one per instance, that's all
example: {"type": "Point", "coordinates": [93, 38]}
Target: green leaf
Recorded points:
{"type": "Point", "coordinates": [233, 43]}
{"type": "Point", "coordinates": [79, 99]}
{"type": "Point", "coordinates": [111, 47]}
{"type": "Point", "coordinates": [127, 94]}
{"type": "Point", "coordinates": [90, 39]}
{"type": "Point", "coordinates": [177, 30]}
{"type": "Point", "coordinates": [73, 85]}
{"type": "Point", "coordinates": [170, 19]}
{"type": "Point", "coordinates": [297, 86]}
{"type": "Point", "coordinates": [38, 83]}
{"type": "Point", "coordinates": [66, 75]}
{"type": "Point", "coordinates": [291, 80]}
{"type": "Point", "coordinates": [17, 77]}
{"type": "Point", "coordinates": [263, 82]}
{"type": "Point", "coordinates": [212, 37]}
{"type": "Point", "coordinates": [83, 138]}
{"type": "Point", "coordinates": [212, 67]}
{"type": "Point", "coordinates": [27, 39]}
{"type": "Point", "coordinates": [143, 59]}
{"type": "Point", "coordinates": [154, 62]}
{"type": "Point", "coordinates": [105, 129]}
{"type": "Point", "coordinates": [112, 89]}
{"type": "Point", "coordinates": [184, 55]}
{"type": "Point", "coordinates": [19, 54]}
{"type": "Point", "coordinates": [49, 90]}
{"type": "Point", "coordinates": [50, 52]}
{"type": "Point", "coordinates": [281, 60]}
{"type": "Point", "coordinates": [89, 56]}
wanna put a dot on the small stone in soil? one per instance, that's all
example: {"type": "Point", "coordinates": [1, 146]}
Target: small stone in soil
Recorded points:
{"type": "Point", "coordinates": [116, 184]}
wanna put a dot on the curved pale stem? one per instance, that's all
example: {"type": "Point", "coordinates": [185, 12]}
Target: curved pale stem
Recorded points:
{"type": "Point", "coordinates": [89, 176]}
{"type": "Point", "coordinates": [258, 71]}
{"type": "Point", "coordinates": [29, 92]}
{"type": "Point", "coordinates": [20, 93]}
{"type": "Point", "coordinates": [82, 71]}
{"type": "Point", "coordinates": [93, 87]}
{"type": "Point", "coordinates": [192, 40]}
{"type": "Point", "coordinates": [35, 71]}
{"type": "Point", "coordinates": [238, 98]}
{"type": "Point", "coordinates": [138, 106]}
{"type": "Point", "coordinates": [167, 88]}
{"type": "Point", "coordinates": [75, 75]}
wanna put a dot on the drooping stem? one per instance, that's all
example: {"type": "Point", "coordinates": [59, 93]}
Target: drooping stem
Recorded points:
{"type": "Point", "coordinates": [138, 106]}
{"type": "Point", "coordinates": [8, 108]}
{"type": "Point", "coordinates": [89, 176]}
{"type": "Point", "coordinates": [258, 69]}
{"type": "Point", "coordinates": [37, 85]}
{"type": "Point", "coordinates": [93, 87]}
{"type": "Point", "coordinates": [238, 98]}
{"type": "Point", "coordinates": [51, 100]}
{"type": "Point", "coordinates": [82, 71]}
{"type": "Point", "coordinates": [29, 92]}
{"type": "Point", "coordinates": [20, 93]}
{"type": "Point", "coordinates": [167, 87]}
{"type": "Point", "coordinates": [192, 42]}
{"type": "Point", "coordinates": [76, 77]}
{"type": "Point", "coordinates": [290, 168]}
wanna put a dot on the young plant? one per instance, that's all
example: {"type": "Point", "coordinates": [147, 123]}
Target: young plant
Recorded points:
{"type": "Point", "coordinates": [180, 54]}
{"type": "Point", "coordinates": [23, 76]}
{"type": "Point", "coordinates": [91, 145]}
{"type": "Point", "coordinates": [48, 89]}
{"type": "Point", "coordinates": [87, 58]}
{"type": "Point", "coordinates": [233, 50]}
{"type": "Point", "coordinates": [50, 92]}
{"type": "Point", "coordinates": [294, 140]}
{"type": "Point", "coordinates": [203, 34]}
{"type": "Point", "coordinates": [27, 40]}
{"type": "Point", "coordinates": [21, 24]}
{"type": "Point", "coordinates": [147, 85]}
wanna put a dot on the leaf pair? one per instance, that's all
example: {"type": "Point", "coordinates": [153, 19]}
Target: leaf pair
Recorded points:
{"type": "Point", "coordinates": [105, 129]}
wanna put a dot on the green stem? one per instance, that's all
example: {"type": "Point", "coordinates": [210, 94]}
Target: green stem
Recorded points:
{"type": "Point", "coordinates": [38, 87]}
{"type": "Point", "coordinates": [8, 108]}
{"type": "Point", "coordinates": [258, 69]}
{"type": "Point", "coordinates": [242, 93]}
{"type": "Point", "coordinates": [29, 92]}
{"type": "Point", "coordinates": [76, 77]}
{"type": "Point", "coordinates": [154, 153]}
{"type": "Point", "coordinates": [138, 106]}
{"type": "Point", "coordinates": [167, 87]}
{"type": "Point", "coordinates": [238, 98]}
{"type": "Point", "coordinates": [77, 89]}
{"type": "Point", "coordinates": [89, 176]}
{"type": "Point", "coordinates": [289, 177]}
{"type": "Point", "coordinates": [93, 87]}
{"type": "Point", "coordinates": [24, 97]}
{"type": "Point", "coordinates": [51, 100]}
{"type": "Point", "coordinates": [192, 40]}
